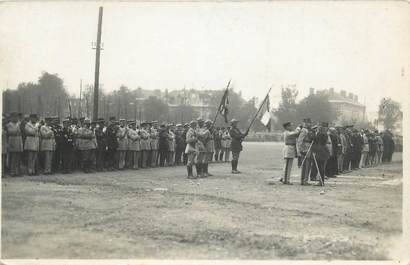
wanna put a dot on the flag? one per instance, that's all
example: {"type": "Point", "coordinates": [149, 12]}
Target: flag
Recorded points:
{"type": "Point", "coordinates": [223, 107]}
{"type": "Point", "coordinates": [266, 116]}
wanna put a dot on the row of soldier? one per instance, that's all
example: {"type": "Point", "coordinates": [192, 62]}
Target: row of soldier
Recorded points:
{"type": "Point", "coordinates": [32, 146]}
{"type": "Point", "coordinates": [330, 151]}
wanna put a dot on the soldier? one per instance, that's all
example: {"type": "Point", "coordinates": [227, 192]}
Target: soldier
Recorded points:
{"type": "Point", "coordinates": [67, 147]}
{"type": "Point", "coordinates": [112, 144]}
{"type": "Point", "coordinates": [226, 137]}
{"type": "Point", "coordinates": [13, 144]}
{"type": "Point", "coordinates": [4, 146]}
{"type": "Point", "coordinates": [154, 143]}
{"type": "Point", "coordinates": [179, 144]}
{"type": "Point", "coordinates": [185, 156]}
{"type": "Point", "coordinates": [289, 150]}
{"type": "Point", "coordinates": [101, 144]}
{"type": "Point", "coordinates": [171, 145]}
{"type": "Point", "coordinates": [133, 146]}
{"type": "Point", "coordinates": [236, 144]}
{"type": "Point", "coordinates": [144, 144]}
{"type": "Point", "coordinates": [332, 145]}
{"type": "Point", "coordinates": [320, 152]}
{"type": "Point", "coordinates": [57, 130]}
{"type": "Point", "coordinates": [203, 136]}
{"type": "Point", "coordinates": [122, 144]}
{"type": "Point", "coordinates": [365, 149]}
{"type": "Point", "coordinates": [86, 145]}
{"type": "Point", "coordinates": [32, 144]}
{"type": "Point", "coordinates": [381, 147]}
{"type": "Point", "coordinates": [342, 149]}
{"type": "Point", "coordinates": [217, 144]}
{"type": "Point", "coordinates": [304, 143]}
{"type": "Point", "coordinates": [191, 148]}
{"type": "Point", "coordinates": [163, 144]}
{"type": "Point", "coordinates": [47, 145]}
{"type": "Point", "coordinates": [209, 147]}
{"type": "Point", "coordinates": [357, 143]}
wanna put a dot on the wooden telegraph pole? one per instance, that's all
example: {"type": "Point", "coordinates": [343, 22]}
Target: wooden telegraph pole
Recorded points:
{"type": "Point", "coordinates": [97, 65]}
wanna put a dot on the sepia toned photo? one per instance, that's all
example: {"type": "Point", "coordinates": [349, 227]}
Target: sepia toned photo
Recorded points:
{"type": "Point", "coordinates": [268, 130]}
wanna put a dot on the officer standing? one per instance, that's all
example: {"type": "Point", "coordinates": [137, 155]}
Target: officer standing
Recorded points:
{"type": "Point", "coordinates": [14, 144]}
{"type": "Point", "coordinates": [86, 145]}
{"type": "Point", "coordinates": [163, 144]}
{"type": "Point", "coordinates": [202, 136]}
{"type": "Point", "coordinates": [101, 144]}
{"type": "Point", "coordinates": [289, 150]}
{"type": "Point", "coordinates": [304, 143]}
{"type": "Point", "coordinates": [67, 147]}
{"type": "Point", "coordinates": [145, 144]}
{"type": "Point", "coordinates": [209, 146]}
{"type": "Point", "coordinates": [154, 144]}
{"type": "Point", "coordinates": [179, 144]}
{"type": "Point", "coordinates": [112, 144]}
{"type": "Point", "coordinates": [191, 149]}
{"type": "Point", "coordinates": [32, 144]}
{"type": "Point", "coordinates": [185, 157]}
{"type": "Point", "coordinates": [320, 152]}
{"type": "Point", "coordinates": [47, 145]}
{"type": "Point", "coordinates": [133, 146]}
{"type": "Point", "coordinates": [122, 144]}
{"type": "Point", "coordinates": [236, 144]}
{"type": "Point", "coordinates": [218, 144]}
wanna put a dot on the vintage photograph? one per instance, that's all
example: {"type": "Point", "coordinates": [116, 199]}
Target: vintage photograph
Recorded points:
{"type": "Point", "coordinates": [268, 130]}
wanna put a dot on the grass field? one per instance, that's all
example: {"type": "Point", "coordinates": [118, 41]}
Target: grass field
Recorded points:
{"type": "Point", "coordinates": [158, 213]}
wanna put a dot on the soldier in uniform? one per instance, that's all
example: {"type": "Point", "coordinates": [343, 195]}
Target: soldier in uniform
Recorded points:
{"type": "Point", "coordinates": [357, 143]}
{"type": "Point", "coordinates": [32, 144]}
{"type": "Point", "coordinates": [209, 146]}
{"type": "Point", "coordinates": [122, 144]}
{"type": "Point", "coordinates": [320, 152]}
{"type": "Point", "coordinates": [13, 144]}
{"type": "Point", "coordinates": [154, 143]}
{"type": "Point", "coordinates": [179, 144]}
{"type": "Point", "coordinates": [332, 144]}
{"type": "Point", "coordinates": [289, 150]}
{"type": "Point", "coordinates": [133, 146]}
{"type": "Point", "coordinates": [67, 147]}
{"type": "Point", "coordinates": [144, 144]}
{"type": "Point", "coordinates": [171, 145]}
{"type": "Point", "coordinates": [163, 144]}
{"type": "Point", "coordinates": [218, 144]}
{"type": "Point", "coordinates": [236, 144]}
{"type": "Point", "coordinates": [203, 136]}
{"type": "Point", "coordinates": [86, 145]}
{"type": "Point", "coordinates": [185, 156]}
{"type": "Point", "coordinates": [191, 149]}
{"type": "Point", "coordinates": [365, 149]}
{"type": "Point", "coordinates": [101, 144]}
{"type": "Point", "coordinates": [57, 130]}
{"type": "Point", "coordinates": [112, 144]}
{"type": "Point", "coordinates": [303, 144]}
{"type": "Point", "coordinates": [4, 146]}
{"type": "Point", "coordinates": [47, 145]}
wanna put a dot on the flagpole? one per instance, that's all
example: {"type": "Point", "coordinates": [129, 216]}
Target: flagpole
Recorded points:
{"type": "Point", "coordinates": [260, 107]}
{"type": "Point", "coordinates": [223, 96]}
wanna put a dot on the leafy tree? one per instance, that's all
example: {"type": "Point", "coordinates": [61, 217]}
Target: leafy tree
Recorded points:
{"type": "Point", "coordinates": [155, 109]}
{"type": "Point", "coordinates": [287, 110]}
{"type": "Point", "coordinates": [183, 114]}
{"type": "Point", "coordinates": [317, 107]}
{"type": "Point", "coordinates": [389, 113]}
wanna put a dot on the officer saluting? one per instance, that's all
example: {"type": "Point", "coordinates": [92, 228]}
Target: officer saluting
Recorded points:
{"type": "Point", "coordinates": [289, 151]}
{"type": "Point", "coordinates": [236, 144]}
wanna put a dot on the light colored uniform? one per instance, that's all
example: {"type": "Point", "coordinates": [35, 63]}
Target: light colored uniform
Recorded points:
{"type": "Point", "coordinates": [32, 146]}
{"type": "Point", "coordinates": [133, 148]}
{"type": "Point", "coordinates": [203, 137]}
{"type": "Point", "coordinates": [171, 148]}
{"type": "Point", "coordinates": [226, 144]}
{"type": "Point", "coordinates": [154, 146]}
{"type": "Point", "coordinates": [47, 146]}
{"type": "Point", "coordinates": [145, 147]}
{"type": "Point", "coordinates": [122, 146]}
{"type": "Point", "coordinates": [191, 147]}
{"type": "Point", "coordinates": [289, 151]}
{"type": "Point", "coordinates": [14, 146]}
{"type": "Point", "coordinates": [365, 151]}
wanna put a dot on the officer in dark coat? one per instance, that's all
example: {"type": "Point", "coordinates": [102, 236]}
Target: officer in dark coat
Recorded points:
{"type": "Point", "coordinates": [185, 156]}
{"type": "Point", "coordinates": [163, 144]}
{"type": "Point", "coordinates": [100, 135]}
{"type": "Point", "coordinates": [320, 152]}
{"type": "Point", "coordinates": [236, 144]}
{"type": "Point", "coordinates": [332, 142]}
{"type": "Point", "coordinates": [112, 143]}
{"type": "Point", "coordinates": [67, 147]}
{"type": "Point", "coordinates": [357, 144]}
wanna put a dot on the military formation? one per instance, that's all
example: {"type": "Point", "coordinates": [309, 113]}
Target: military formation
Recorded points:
{"type": "Point", "coordinates": [324, 152]}
{"type": "Point", "coordinates": [35, 146]}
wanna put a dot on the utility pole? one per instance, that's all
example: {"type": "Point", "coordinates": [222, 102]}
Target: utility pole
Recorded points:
{"type": "Point", "coordinates": [79, 103]}
{"type": "Point", "coordinates": [97, 65]}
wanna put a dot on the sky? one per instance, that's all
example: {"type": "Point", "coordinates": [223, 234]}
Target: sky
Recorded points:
{"type": "Point", "coordinates": [361, 47]}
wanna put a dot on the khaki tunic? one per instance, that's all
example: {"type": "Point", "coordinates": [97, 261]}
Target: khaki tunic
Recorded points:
{"type": "Point", "coordinates": [191, 141]}
{"type": "Point", "coordinates": [47, 141]}
{"type": "Point", "coordinates": [14, 141]}
{"type": "Point", "coordinates": [154, 139]}
{"type": "Point", "coordinates": [85, 139]}
{"type": "Point", "coordinates": [133, 140]}
{"type": "Point", "coordinates": [122, 139]}
{"type": "Point", "coordinates": [32, 142]}
{"type": "Point", "coordinates": [144, 142]}
{"type": "Point", "coordinates": [289, 151]}
{"type": "Point", "coordinates": [171, 141]}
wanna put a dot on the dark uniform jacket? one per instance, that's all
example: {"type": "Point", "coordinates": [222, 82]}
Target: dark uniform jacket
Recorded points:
{"type": "Point", "coordinates": [111, 137]}
{"type": "Point", "coordinates": [237, 138]}
{"type": "Point", "coordinates": [319, 147]}
{"type": "Point", "coordinates": [67, 139]}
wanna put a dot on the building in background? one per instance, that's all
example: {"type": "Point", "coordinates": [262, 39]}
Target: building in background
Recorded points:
{"type": "Point", "coordinates": [347, 105]}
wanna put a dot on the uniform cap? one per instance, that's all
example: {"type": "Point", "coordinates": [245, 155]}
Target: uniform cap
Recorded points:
{"type": "Point", "coordinates": [192, 122]}
{"type": "Point", "coordinates": [307, 120]}
{"type": "Point", "coordinates": [234, 120]}
{"type": "Point", "coordinates": [112, 118]}
{"type": "Point", "coordinates": [66, 120]}
{"type": "Point", "coordinates": [286, 124]}
{"type": "Point", "coordinates": [121, 120]}
{"type": "Point", "coordinates": [87, 121]}
{"type": "Point", "coordinates": [208, 122]}
{"type": "Point", "coordinates": [186, 124]}
{"type": "Point", "coordinates": [199, 120]}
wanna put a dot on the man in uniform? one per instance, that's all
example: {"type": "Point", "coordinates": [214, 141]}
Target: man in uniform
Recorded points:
{"type": "Point", "coordinates": [203, 137]}
{"type": "Point", "coordinates": [185, 157]}
{"type": "Point", "coordinates": [320, 152]}
{"type": "Point", "coordinates": [191, 149]}
{"type": "Point", "coordinates": [122, 144]}
{"type": "Point", "coordinates": [209, 146]}
{"type": "Point", "coordinates": [289, 150]}
{"type": "Point", "coordinates": [47, 145]}
{"type": "Point", "coordinates": [86, 145]}
{"type": "Point", "coordinates": [179, 144]}
{"type": "Point", "coordinates": [32, 144]}
{"type": "Point", "coordinates": [112, 144]}
{"type": "Point", "coordinates": [303, 144]}
{"type": "Point", "coordinates": [236, 144]}
{"type": "Point", "coordinates": [154, 144]}
{"type": "Point", "coordinates": [14, 144]}
{"type": "Point", "coordinates": [67, 147]}
{"type": "Point", "coordinates": [163, 144]}
{"type": "Point", "coordinates": [133, 146]}
{"type": "Point", "coordinates": [101, 144]}
{"type": "Point", "coordinates": [217, 144]}
{"type": "Point", "coordinates": [144, 144]}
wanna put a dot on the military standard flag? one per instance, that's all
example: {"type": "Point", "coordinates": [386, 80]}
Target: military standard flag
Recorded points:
{"type": "Point", "coordinates": [223, 107]}
{"type": "Point", "coordinates": [266, 116]}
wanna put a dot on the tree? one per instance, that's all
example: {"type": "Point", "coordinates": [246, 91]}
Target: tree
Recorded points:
{"type": "Point", "coordinates": [287, 110]}
{"type": "Point", "coordinates": [389, 113]}
{"type": "Point", "coordinates": [317, 107]}
{"type": "Point", "coordinates": [155, 109]}
{"type": "Point", "coordinates": [183, 114]}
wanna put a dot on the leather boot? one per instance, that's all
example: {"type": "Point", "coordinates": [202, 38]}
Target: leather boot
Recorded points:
{"type": "Point", "coordinates": [189, 169]}
{"type": "Point", "coordinates": [198, 170]}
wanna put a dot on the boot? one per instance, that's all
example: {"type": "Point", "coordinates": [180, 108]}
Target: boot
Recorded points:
{"type": "Point", "coordinates": [207, 172]}
{"type": "Point", "coordinates": [189, 169]}
{"type": "Point", "coordinates": [221, 156]}
{"type": "Point", "coordinates": [198, 170]}
{"type": "Point", "coordinates": [216, 157]}
{"type": "Point", "coordinates": [234, 167]}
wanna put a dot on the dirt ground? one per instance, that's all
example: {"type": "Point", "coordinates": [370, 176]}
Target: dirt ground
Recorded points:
{"type": "Point", "coordinates": [124, 215]}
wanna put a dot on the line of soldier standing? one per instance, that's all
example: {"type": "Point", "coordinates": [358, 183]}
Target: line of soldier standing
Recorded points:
{"type": "Point", "coordinates": [33, 146]}
{"type": "Point", "coordinates": [330, 151]}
